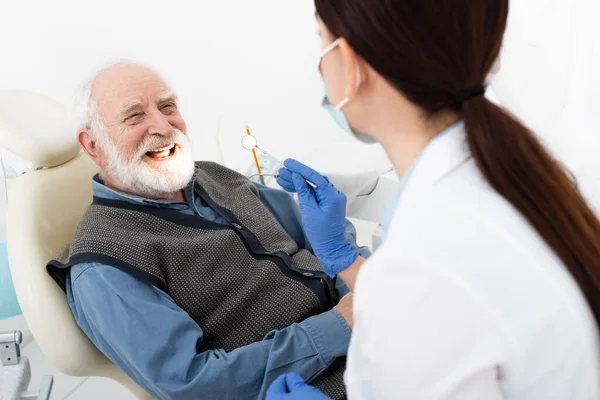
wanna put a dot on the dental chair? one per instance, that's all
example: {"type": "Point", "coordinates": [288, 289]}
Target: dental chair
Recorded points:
{"type": "Point", "coordinates": [45, 206]}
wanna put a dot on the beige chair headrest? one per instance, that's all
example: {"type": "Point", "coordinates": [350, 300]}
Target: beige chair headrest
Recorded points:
{"type": "Point", "coordinates": [36, 128]}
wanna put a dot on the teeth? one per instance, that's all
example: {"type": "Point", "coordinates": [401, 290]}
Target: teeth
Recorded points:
{"type": "Point", "coordinates": [169, 147]}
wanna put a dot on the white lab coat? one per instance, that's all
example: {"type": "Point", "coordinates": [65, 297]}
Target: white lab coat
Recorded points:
{"type": "Point", "coordinates": [464, 300]}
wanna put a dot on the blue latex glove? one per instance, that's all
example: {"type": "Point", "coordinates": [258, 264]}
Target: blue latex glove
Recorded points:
{"type": "Point", "coordinates": [292, 387]}
{"type": "Point", "coordinates": [323, 212]}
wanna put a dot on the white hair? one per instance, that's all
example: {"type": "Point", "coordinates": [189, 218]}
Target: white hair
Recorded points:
{"type": "Point", "coordinates": [84, 112]}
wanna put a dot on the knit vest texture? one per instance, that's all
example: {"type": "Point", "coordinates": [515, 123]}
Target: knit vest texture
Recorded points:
{"type": "Point", "coordinates": [238, 282]}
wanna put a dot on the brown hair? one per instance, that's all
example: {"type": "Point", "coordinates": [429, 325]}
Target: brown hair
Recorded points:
{"type": "Point", "coordinates": [430, 50]}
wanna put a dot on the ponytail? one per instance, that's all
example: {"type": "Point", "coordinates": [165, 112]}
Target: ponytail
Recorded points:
{"type": "Point", "coordinates": [430, 50]}
{"type": "Point", "coordinates": [520, 169]}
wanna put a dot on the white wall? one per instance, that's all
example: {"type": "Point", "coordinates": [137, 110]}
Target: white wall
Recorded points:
{"type": "Point", "coordinates": [224, 57]}
{"type": "Point", "coordinates": [255, 62]}
{"type": "Point", "coordinates": [550, 67]}
{"type": "Point", "coordinates": [550, 78]}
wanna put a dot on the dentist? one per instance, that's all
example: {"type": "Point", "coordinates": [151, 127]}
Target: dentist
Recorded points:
{"type": "Point", "coordinates": [487, 285]}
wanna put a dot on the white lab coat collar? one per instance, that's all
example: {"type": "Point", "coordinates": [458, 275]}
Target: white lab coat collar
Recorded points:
{"type": "Point", "coordinates": [439, 158]}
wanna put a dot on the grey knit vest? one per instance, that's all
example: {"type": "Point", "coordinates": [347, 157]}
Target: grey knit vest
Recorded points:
{"type": "Point", "coordinates": [238, 282]}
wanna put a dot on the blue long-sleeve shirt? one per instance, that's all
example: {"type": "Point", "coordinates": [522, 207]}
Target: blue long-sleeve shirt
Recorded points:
{"type": "Point", "coordinates": [141, 329]}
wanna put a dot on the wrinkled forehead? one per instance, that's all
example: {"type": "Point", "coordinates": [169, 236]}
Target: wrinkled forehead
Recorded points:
{"type": "Point", "coordinates": [121, 87]}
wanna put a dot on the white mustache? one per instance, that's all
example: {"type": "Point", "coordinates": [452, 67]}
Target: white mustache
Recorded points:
{"type": "Point", "coordinates": [154, 142]}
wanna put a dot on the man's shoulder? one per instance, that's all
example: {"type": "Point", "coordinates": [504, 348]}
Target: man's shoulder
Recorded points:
{"type": "Point", "coordinates": [215, 176]}
{"type": "Point", "coordinates": [212, 165]}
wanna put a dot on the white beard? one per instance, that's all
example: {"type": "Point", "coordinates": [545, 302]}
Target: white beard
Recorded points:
{"type": "Point", "coordinates": [138, 177]}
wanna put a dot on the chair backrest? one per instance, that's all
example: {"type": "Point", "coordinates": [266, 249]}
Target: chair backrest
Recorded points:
{"type": "Point", "coordinates": [44, 208]}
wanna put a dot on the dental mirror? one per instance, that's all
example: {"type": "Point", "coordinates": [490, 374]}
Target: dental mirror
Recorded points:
{"type": "Point", "coordinates": [249, 142]}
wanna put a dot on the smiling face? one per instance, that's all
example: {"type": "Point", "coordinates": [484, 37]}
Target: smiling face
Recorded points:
{"type": "Point", "coordinates": [140, 140]}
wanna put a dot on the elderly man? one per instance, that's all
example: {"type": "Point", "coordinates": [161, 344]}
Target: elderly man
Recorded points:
{"type": "Point", "coordinates": [192, 279]}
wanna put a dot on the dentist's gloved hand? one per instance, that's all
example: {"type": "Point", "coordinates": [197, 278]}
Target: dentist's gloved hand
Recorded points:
{"type": "Point", "coordinates": [292, 387]}
{"type": "Point", "coordinates": [323, 212]}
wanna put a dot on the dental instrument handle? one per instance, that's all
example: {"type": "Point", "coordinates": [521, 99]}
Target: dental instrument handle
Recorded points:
{"type": "Point", "coordinates": [283, 165]}
{"type": "Point", "coordinates": [267, 154]}
{"type": "Point", "coordinates": [262, 180]}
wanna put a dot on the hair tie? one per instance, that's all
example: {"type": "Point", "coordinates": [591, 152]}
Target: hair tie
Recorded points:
{"type": "Point", "coordinates": [467, 94]}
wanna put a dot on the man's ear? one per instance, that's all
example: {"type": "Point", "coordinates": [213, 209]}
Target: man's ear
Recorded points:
{"type": "Point", "coordinates": [90, 146]}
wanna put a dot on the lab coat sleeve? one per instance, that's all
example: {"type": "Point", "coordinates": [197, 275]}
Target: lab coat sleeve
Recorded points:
{"type": "Point", "coordinates": [143, 331]}
{"type": "Point", "coordinates": [420, 335]}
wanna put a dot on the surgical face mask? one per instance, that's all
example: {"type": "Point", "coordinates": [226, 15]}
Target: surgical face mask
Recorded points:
{"type": "Point", "coordinates": [336, 111]}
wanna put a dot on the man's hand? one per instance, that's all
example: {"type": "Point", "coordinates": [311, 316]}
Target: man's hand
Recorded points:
{"type": "Point", "coordinates": [344, 308]}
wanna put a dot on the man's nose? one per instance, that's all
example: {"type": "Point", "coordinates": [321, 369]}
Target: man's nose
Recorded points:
{"type": "Point", "coordinates": [159, 124]}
